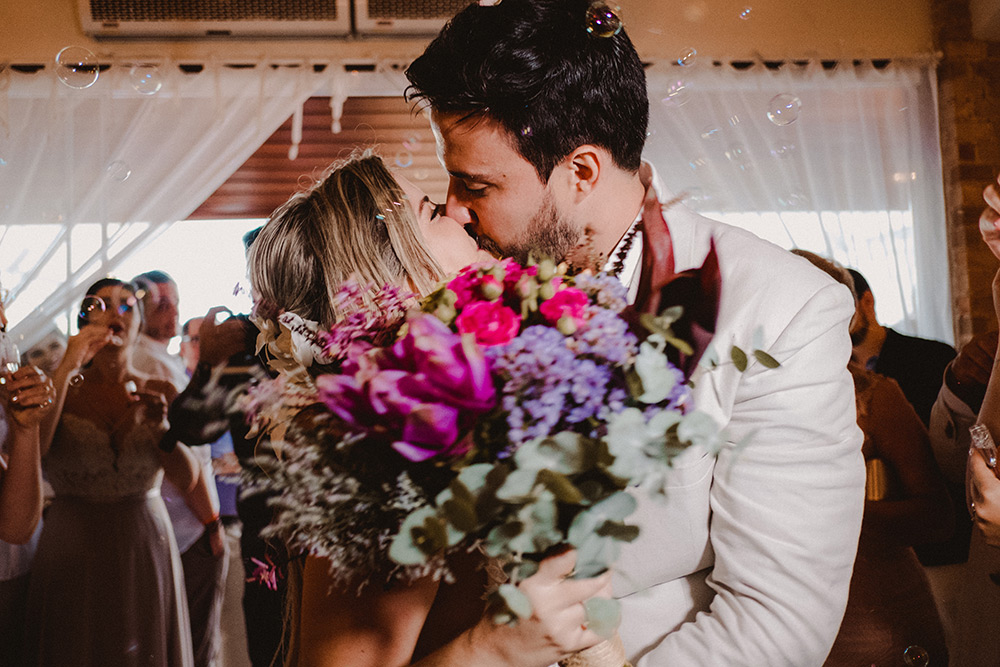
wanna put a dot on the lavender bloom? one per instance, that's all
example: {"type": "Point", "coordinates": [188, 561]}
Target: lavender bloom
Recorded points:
{"type": "Point", "coordinates": [607, 290]}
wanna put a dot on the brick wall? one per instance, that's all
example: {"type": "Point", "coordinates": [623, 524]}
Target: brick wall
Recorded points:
{"type": "Point", "coordinates": [969, 105]}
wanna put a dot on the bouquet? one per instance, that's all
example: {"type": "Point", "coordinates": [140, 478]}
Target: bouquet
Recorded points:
{"type": "Point", "coordinates": [508, 411]}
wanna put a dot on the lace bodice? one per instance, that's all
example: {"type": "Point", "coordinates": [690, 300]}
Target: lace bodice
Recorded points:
{"type": "Point", "coordinates": [82, 462]}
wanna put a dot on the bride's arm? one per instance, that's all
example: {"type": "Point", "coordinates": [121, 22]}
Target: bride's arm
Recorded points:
{"type": "Point", "coordinates": [556, 629]}
{"type": "Point", "coordinates": [376, 627]}
{"type": "Point", "coordinates": [380, 627]}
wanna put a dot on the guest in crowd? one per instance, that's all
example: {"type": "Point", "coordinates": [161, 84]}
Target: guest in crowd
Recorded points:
{"type": "Point", "coordinates": [978, 604]}
{"type": "Point", "coordinates": [195, 517]}
{"type": "Point", "coordinates": [890, 606]}
{"type": "Point", "coordinates": [106, 584]}
{"type": "Point", "coordinates": [46, 353]}
{"type": "Point", "coordinates": [916, 364]}
{"type": "Point", "coordinates": [25, 396]}
{"type": "Point", "coordinates": [201, 415]}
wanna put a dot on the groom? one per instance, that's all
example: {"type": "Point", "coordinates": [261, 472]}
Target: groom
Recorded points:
{"type": "Point", "coordinates": [541, 125]}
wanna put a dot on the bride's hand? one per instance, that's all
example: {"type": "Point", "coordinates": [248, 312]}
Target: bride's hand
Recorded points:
{"type": "Point", "coordinates": [558, 624]}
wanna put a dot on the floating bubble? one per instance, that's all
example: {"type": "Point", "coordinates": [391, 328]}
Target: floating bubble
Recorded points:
{"type": "Point", "coordinates": [735, 120]}
{"type": "Point", "coordinates": [420, 174]}
{"type": "Point", "coordinates": [526, 131]}
{"type": "Point", "coordinates": [793, 201]}
{"type": "Point", "coordinates": [916, 656]}
{"type": "Point", "coordinates": [677, 94]}
{"type": "Point", "coordinates": [695, 12]}
{"type": "Point", "coordinates": [711, 132]}
{"type": "Point", "coordinates": [745, 13]}
{"type": "Point", "coordinates": [146, 79]}
{"type": "Point", "coordinates": [3, 162]}
{"type": "Point", "coordinates": [687, 57]}
{"type": "Point", "coordinates": [77, 67]}
{"type": "Point", "coordinates": [783, 151]}
{"type": "Point", "coordinates": [697, 163]}
{"type": "Point", "coordinates": [404, 159]}
{"type": "Point", "coordinates": [118, 171]}
{"type": "Point", "coordinates": [604, 19]}
{"type": "Point", "coordinates": [89, 307]}
{"type": "Point", "coordinates": [783, 109]}
{"type": "Point", "coordinates": [738, 156]}
{"type": "Point", "coordinates": [411, 143]}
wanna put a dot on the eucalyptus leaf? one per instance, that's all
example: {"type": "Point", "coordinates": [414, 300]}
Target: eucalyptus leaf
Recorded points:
{"type": "Point", "coordinates": [406, 547]}
{"type": "Point", "coordinates": [474, 477]}
{"type": "Point", "coordinates": [461, 514]}
{"type": "Point", "coordinates": [766, 359]}
{"type": "Point", "coordinates": [501, 536]}
{"type": "Point", "coordinates": [739, 358]}
{"type": "Point", "coordinates": [560, 486]}
{"type": "Point", "coordinates": [516, 601]}
{"type": "Point", "coordinates": [603, 616]}
{"type": "Point", "coordinates": [563, 452]}
{"type": "Point", "coordinates": [518, 485]}
{"type": "Point", "coordinates": [595, 555]}
{"type": "Point", "coordinates": [622, 532]}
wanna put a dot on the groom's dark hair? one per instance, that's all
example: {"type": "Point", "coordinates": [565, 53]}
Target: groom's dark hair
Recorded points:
{"type": "Point", "coordinates": [533, 67]}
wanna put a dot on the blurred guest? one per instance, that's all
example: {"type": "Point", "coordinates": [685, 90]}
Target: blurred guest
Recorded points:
{"type": "Point", "coordinates": [916, 364]}
{"type": "Point", "coordinates": [200, 414]}
{"type": "Point", "coordinates": [25, 395]}
{"type": "Point", "coordinates": [977, 642]}
{"type": "Point", "coordinates": [46, 353]}
{"type": "Point", "coordinates": [195, 517]}
{"type": "Point", "coordinates": [106, 586]}
{"type": "Point", "coordinates": [890, 606]}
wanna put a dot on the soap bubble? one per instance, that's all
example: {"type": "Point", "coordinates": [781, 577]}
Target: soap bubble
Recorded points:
{"type": "Point", "coordinates": [916, 656]}
{"type": "Point", "coordinates": [603, 19]}
{"type": "Point", "coordinates": [793, 201]}
{"type": "Point", "coordinates": [89, 307]}
{"type": "Point", "coordinates": [677, 94]}
{"type": "Point", "coordinates": [745, 13]}
{"type": "Point", "coordinates": [146, 79]}
{"type": "Point", "coordinates": [687, 57]}
{"type": "Point", "coordinates": [738, 156]}
{"type": "Point", "coordinates": [783, 109]}
{"type": "Point", "coordinates": [118, 171]}
{"type": "Point", "coordinates": [411, 143]}
{"type": "Point", "coordinates": [404, 159]}
{"type": "Point", "coordinates": [710, 132]}
{"type": "Point", "coordinates": [77, 67]}
{"type": "Point", "coordinates": [783, 151]}
{"type": "Point", "coordinates": [420, 174]}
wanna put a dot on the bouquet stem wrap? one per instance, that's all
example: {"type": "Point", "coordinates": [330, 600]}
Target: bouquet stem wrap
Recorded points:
{"type": "Point", "coordinates": [609, 653]}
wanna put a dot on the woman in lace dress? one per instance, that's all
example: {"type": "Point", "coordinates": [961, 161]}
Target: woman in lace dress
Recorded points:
{"type": "Point", "coordinates": [107, 586]}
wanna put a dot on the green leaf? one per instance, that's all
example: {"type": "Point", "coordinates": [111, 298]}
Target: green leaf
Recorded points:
{"type": "Point", "coordinates": [460, 513]}
{"type": "Point", "coordinates": [603, 616]}
{"type": "Point", "coordinates": [622, 532]}
{"type": "Point", "coordinates": [474, 477]}
{"type": "Point", "coordinates": [516, 601]}
{"type": "Point", "coordinates": [560, 486]}
{"type": "Point", "coordinates": [518, 485]}
{"type": "Point", "coordinates": [739, 358]}
{"type": "Point", "coordinates": [766, 359]}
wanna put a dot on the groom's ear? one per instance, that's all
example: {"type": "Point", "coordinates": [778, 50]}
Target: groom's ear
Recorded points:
{"type": "Point", "coordinates": [585, 165]}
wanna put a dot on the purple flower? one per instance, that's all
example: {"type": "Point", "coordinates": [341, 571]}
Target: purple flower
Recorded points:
{"type": "Point", "coordinates": [423, 393]}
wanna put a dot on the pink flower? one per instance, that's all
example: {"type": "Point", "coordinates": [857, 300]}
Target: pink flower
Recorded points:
{"type": "Point", "coordinates": [423, 394]}
{"type": "Point", "coordinates": [569, 302]}
{"type": "Point", "coordinates": [492, 322]}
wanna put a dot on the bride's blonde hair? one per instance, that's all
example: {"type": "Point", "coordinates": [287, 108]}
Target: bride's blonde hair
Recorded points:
{"type": "Point", "coordinates": [354, 222]}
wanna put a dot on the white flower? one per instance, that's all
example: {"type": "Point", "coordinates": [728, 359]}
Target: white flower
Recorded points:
{"type": "Point", "coordinates": [654, 370]}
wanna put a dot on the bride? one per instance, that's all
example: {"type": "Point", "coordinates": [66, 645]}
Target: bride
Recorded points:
{"type": "Point", "coordinates": [361, 221]}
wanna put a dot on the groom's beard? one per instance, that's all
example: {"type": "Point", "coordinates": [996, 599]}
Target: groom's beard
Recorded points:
{"type": "Point", "coordinates": [550, 235]}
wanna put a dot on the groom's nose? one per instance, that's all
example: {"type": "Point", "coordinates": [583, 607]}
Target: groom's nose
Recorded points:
{"type": "Point", "coordinates": [455, 209]}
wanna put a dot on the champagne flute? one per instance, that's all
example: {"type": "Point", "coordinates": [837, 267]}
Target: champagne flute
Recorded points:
{"type": "Point", "coordinates": [10, 360]}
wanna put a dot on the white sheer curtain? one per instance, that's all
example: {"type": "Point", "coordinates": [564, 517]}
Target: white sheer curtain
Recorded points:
{"type": "Point", "coordinates": [847, 165]}
{"type": "Point", "coordinates": [89, 175]}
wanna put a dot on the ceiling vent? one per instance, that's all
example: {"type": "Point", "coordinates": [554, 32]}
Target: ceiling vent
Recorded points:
{"type": "Point", "coordinates": [216, 18]}
{"type": "Point", "coordinates": [404, 17]}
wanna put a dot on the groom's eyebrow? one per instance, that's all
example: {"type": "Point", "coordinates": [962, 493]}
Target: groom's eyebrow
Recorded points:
{"type": "Point", "coordinates": [466, 176]}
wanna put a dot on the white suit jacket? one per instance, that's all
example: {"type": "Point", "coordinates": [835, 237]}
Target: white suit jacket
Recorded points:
{"type": "Point", "coordinates": [748, 561]}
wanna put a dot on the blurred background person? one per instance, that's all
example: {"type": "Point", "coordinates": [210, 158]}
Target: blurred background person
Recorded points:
{"type": "Point", "coordinates": [25, 394]}
{"type": "Point", "coordinates": [106, 585]}
{"type": "Point", "coordinates": [195, 517]}
{"type": "Point", "coordinates": [890, 606]}
{"type": "Point", "coordinates": [46, 353]}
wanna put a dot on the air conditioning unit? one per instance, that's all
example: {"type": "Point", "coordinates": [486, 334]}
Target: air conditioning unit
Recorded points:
{"type": "Point", "coordinates": [216, 18]}
{"type": "Point", "coordinates": [404, 17]}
